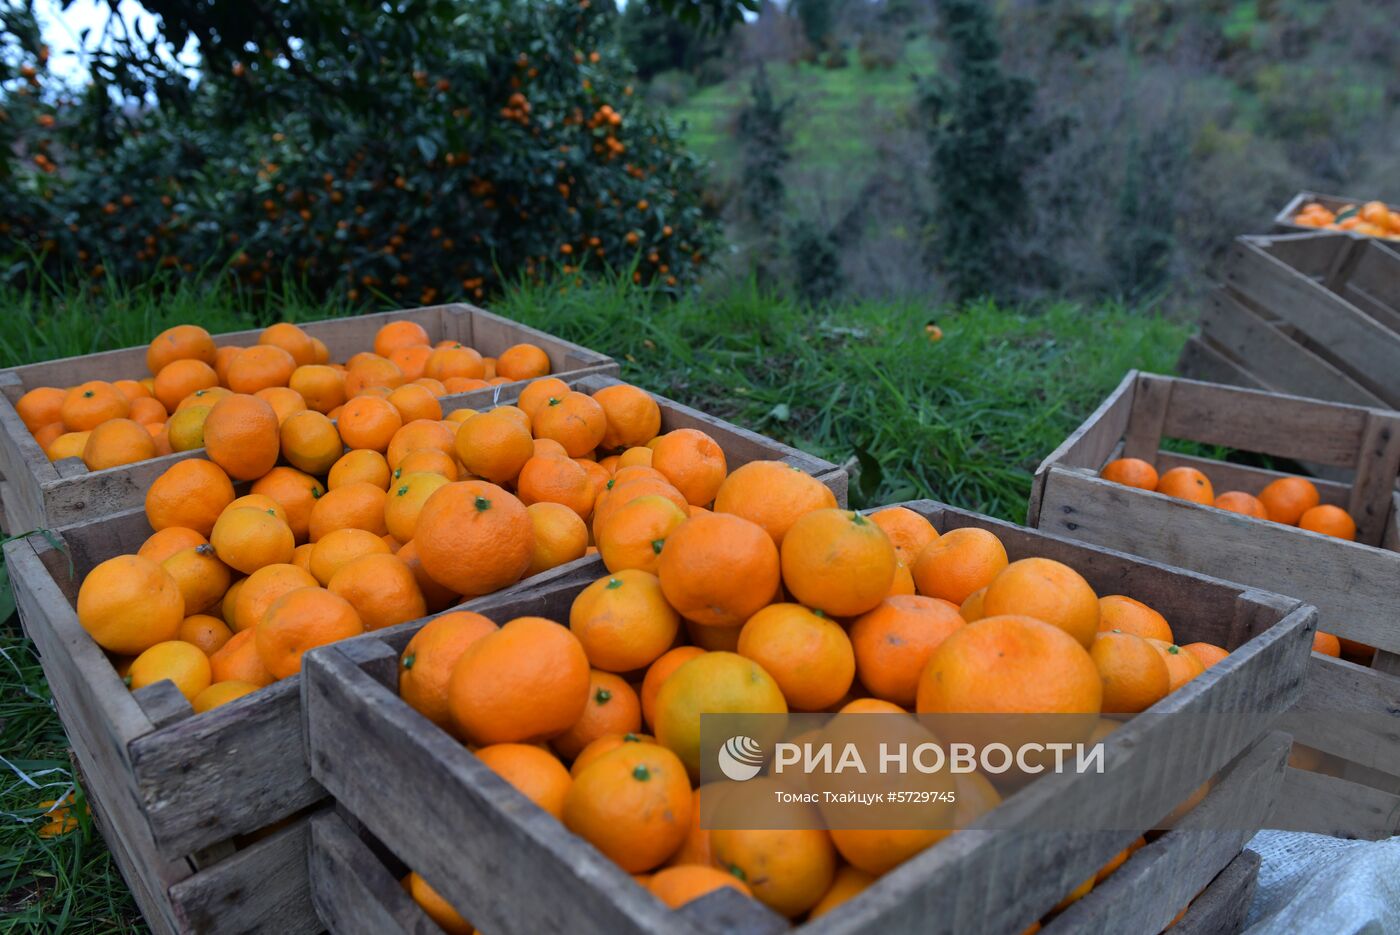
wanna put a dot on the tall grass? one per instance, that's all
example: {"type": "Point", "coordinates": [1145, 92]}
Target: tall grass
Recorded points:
{"type": "Point", "coordinates": [964, 419]}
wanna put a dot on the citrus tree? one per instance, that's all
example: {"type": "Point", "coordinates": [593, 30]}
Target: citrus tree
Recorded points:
{"type": "Point", "coordinates": [418, 150]}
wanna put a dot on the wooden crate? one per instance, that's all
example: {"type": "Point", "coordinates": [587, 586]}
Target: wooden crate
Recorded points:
{"type": "Point", "coordinates": [1283, 221]}
{"type": "Point", "coordinates": [355, 885]}
{"type": "Point", "coordinates": [1351, 583]}
{"type": "Point", "coordinates": [512, 869]}
{"type": "Point", "coordinates": [39, 494]}
{"type": "Point", "coordinates": [180, 788]}
{"type": "Point", "coordinates": [1312, 314]}
{"type": "Point", "coordinates": [205, 815]}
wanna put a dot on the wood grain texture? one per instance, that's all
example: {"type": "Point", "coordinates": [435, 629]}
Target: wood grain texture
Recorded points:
{"type": "Point", "coordinates": [1377, 464]}
{"type": "Point", "coordinates": [364, 740]}
{"type": "Point", "coordinates": [1152, 400]}
{"type": "Point", "coordinates": [1272, 356]}
{"type": "Point", "coordinates": [352, 718]}
{"type": "Point", "coordinates": [1224, 906]}
{"type": "Point", "coordinates": [1349, 711]}
{"type": "Point", "coordinates": [1376, 278]}
{"type": "Point", "coordinates": [1202, 362]}
{"type": "Point", "coordinates": [1316, 254]}
{"type": "Point", "coordinates": [47, 496]}
{"type": "Point", "coordinates": [1368, 348]}
{"type": "Point", "coordinates": [264, 887]}
{"type": "Point", "coordinates": [1090, 445]}
{"type": "Point", "coordinates": [1159, 880]}
{"type": "Point", "coordinates": [352, 890]}
{"type": "Point", "coordinates": [1264, 422]}
{"type": "Point", "coordinates": [1329, 805]}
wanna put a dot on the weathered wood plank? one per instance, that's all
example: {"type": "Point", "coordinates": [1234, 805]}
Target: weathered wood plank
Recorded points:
{"type": "Point", "coordinates": [1324, 804]}
{"type": "Point", "coordinates": [1274, 357]}
{"type": "Point", "coordinates": [1152, 400]}
{"type": "Point", "coordinates": [1265, 422]}
{"type": "Point", "coordinates": [1377, 465]}
{"type": "Point", "coordinates": [246, 756]}
{"type": "Point", "coordinates": [262, 888]}
{"type": "Point", "coordinates": [1160, 879]}
{"type": "Point", "coordinates": [1224, 906]}
{"type": "Point", "coordinates": [1349, 711]}
{"type": "Point", "coordinates": [1368, 348]}
{"type": "Point", "coordinates": [1202, 362]}
{"type": "Point", "coordinates": [1312, 252]}
{"type": "Point", "coordinates": [1090, 445]}
{"type": "Point", "coordinates": [1377, 277]}
{"type": "Point", "coordinates": [352, 718]}
{"type": "Point", "coordinates": [351, 888]}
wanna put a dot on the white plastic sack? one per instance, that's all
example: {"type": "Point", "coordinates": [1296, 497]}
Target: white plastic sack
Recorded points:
{"type": "Point", "coordinates": [1312, 883]}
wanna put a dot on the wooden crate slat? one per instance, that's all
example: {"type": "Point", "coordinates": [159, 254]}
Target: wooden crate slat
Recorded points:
{"type": "Point", "coordinates": [351, 888]}
{"type": "Point", "coordinates": [1376, 469]}
{"type": "Point", "coordinates": [263, 887]}
{"type": "Point", "coordinates": [1318, 257]}
{"type": "Point", "coordinates": [365, 740]}
{"type": "Point", "coordinates": [1263, 422]}
{"type": "Point", "coordinates": [249, 759]}
{"type": "Point", "coordinates": [1369, 348]}
{"type": "Point", "coordinates": [1200, 361]}
{"type": "Point", "coordinates": [1091, 445]}
{"type": "Point", "coordinates": [1337, 688]}
{"type": "Point", "coordinates": [1375, 276]}
{"type": "Point", "coordinates": [1231, 328]}
{"type": "Point", "coordinates": [1158, 881]}
{"type": "Point", "coordinates": [1224, 906]}
{"type": "Point", "coordinates": [353, 718]}
{"type": "Point", "coordinates": [1324, 804]}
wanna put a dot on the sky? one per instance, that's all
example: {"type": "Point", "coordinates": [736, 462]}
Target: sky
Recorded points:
{"type": "Point", "coordinates": [63, 27]}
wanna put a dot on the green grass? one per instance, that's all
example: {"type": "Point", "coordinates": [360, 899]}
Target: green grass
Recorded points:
{"type": "Point", "coordinates": [835, 112]}
{"type": "Point", "coordinates": [963, 420]}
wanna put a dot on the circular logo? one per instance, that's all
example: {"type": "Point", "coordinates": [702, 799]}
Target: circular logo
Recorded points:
{"type": "Point", "coordinates": [740, 758]}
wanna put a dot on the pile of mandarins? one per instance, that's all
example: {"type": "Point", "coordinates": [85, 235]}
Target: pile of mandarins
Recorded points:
{"type": "Point", "coordinates": [1374, 219]}
{"type": "Point", "coordinates": [776, 601]}
{"type": "Point", "coordinates": [1292, 501]}
{"type": "Point", "coordinates": [389, 513]}
{"type": "Point", "coordinates": [108, 424]}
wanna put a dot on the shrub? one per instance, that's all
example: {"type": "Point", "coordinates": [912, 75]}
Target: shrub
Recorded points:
{"type": "Point", "coordinates": [421, 156]}
{"type": "Point", "coordinates": [983, 138]}
{"type": "Point", "coordinates": [763, 154]}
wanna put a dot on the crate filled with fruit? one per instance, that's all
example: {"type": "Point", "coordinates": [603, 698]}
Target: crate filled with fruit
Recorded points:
{"type": "Point", "coordinates": [1330, 212]}
{"type": "Point", "coordinates": [84, 436]}
{"type": "Point", "coordinates": [1124, 480]}
{"type": "Point", "coordinates": [536, 763]}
